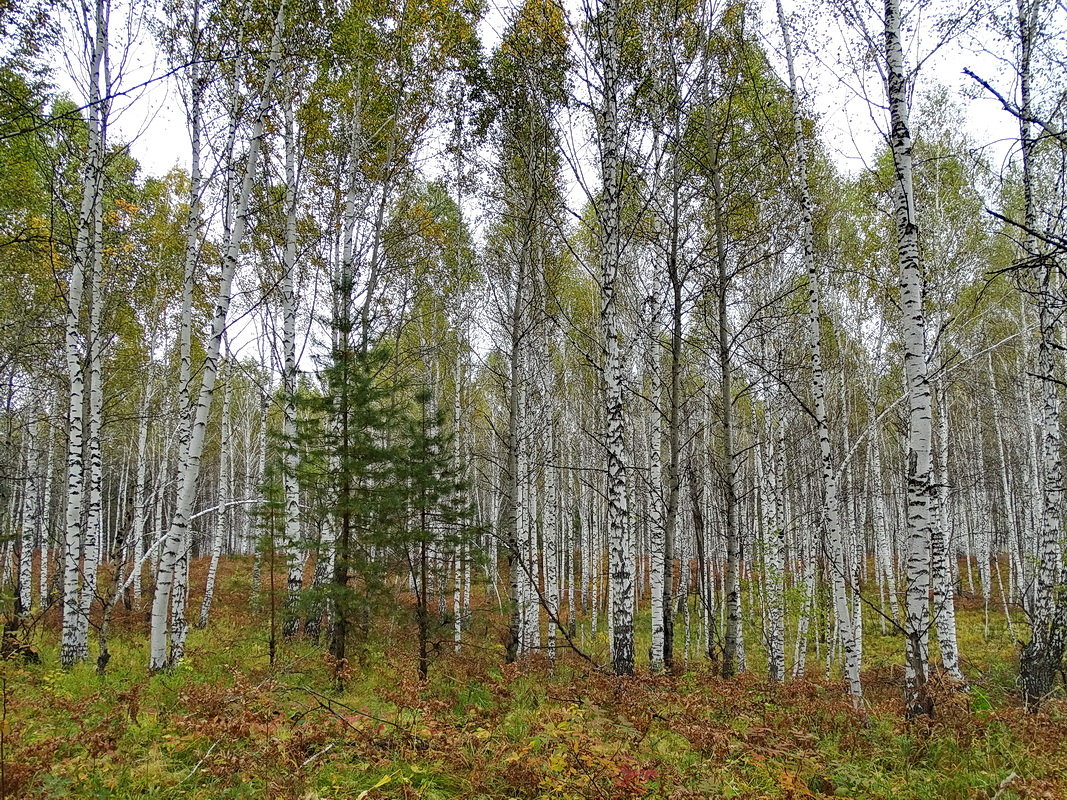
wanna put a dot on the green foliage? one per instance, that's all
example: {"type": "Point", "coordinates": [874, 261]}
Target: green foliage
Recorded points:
{"type": "Point", "coordinates": [27, 280]}
{"type": "Point", "coordinates": [229, 726]}
{"type": "Point", "coordinates": [376, 467]}
{"type": "Point", "coordinates": [350, 448]}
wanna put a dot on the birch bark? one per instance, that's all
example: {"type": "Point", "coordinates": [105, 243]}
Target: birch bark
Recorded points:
{"type": "Point", "coordinates": [30, 499]}
{"type": "Point", "coordinates": [160, 657]}
{"type": "Point", "coordinates": [140, 503]}
{"type": "Point", "coordinates": [919, 467]}
{"type": "Point", "coordinates": [943, 552]}
{"type": "Point", "coordinates": [660, 597]}
{"type": "Point", "coordinates": [74, 644]}
{"type": "Point", "coordinates": [219, 534]}
{"type": "Point", "coordinates": [94, 519]}
{"type": "Point", "coordinates": [1042, 656]}
{"type": "Point", "coordinates": [293, 545]}
{"type": "Point", "coordinates": [620, 567]}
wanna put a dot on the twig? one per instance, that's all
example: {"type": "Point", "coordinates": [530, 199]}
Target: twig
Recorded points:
{"type": "Point", "coordinates": [199, 763]}
{"type": "Point", "coordinates": [1004, 785]}
{"type": "Point", "coordinates": [330, 702]}
{"type": "Point", "coordinates": [321, 752]}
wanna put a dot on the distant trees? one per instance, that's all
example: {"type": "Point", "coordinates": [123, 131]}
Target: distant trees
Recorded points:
{"type": "Point", "coordinates": [527, 81]}
{"type": "Point", "coordinates": [670, 409]}
{"type": "Point", "coordinates": [168, 620]}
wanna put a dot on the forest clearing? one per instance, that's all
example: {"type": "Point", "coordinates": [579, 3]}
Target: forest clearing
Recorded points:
{"type": "Point", "coordinates": [534, 399]}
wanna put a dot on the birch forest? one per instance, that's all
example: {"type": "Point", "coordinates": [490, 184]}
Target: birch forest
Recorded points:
{"type": "Point", "coordinates": [533, 399]}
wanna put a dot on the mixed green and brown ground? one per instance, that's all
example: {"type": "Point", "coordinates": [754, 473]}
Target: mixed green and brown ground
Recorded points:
{"type": "Point", "coordinates": [228, 724]}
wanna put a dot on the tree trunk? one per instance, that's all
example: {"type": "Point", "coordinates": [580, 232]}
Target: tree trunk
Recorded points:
{"type": "Point", "coordinates": [1042, 656]}
{"type": "Point", "coordinates": [293, 546]}
{"type": "Point", "coordinates": [620, 568]}
{"type": "Point", "coordinates": [74, 645]}
{"type": "Point", "coordinates": [919, 467]}
{"type": "Point", "coordinates": [219, 536]}
{"type": "Point", "coordinates": [177, 533]}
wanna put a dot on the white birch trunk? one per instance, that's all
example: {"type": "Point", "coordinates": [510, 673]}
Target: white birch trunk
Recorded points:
{"type": "Point", "coordinates": [140, 503]}
{"type": "Point", "coordinates": [620, 567]}
{"type": "Point", "coordinates": [883, 544]}
{"type": "Point", "coordinates": [94, 518]}
{"type": "Point", "coordinates": [656, 520]}
{"type": "Point", "coordinates": [46, 516]}
{"type": "Point", "coordinates": [293, 546]}
{"type": "Point", "coordinates": [919, 467]}
{"type": "Point", "coordinates": [943, 554]}
{"type": "Point", "coordinates": [551, 539]}
{"type": "Point", "coordinates": [74, 645]}
{"type": "Point", "coordinates": [160, 657]}
{"type": "Point", "coordinates": [30, 520]}
{"type": "Point", "coordinates": [219, 535]}
{"type": "Point", "coordinates": [1042, 656]}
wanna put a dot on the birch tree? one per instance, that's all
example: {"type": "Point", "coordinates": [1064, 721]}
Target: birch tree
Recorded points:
{"type": "Point", "coordinates": [831, 518]}
{"type": "Point", "coordinates": [93, 25]}
{"type": "Point", "coordinates": [161, 653]}
{"type": "Point", "coordinates": [920, 417]}
{"type": "Point", "coordinates": [606, 46]}
{"type": "Point", "coordinates": [529, 70]}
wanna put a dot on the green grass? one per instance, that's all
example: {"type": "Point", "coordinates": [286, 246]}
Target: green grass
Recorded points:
{"type": "Point", "coordinates": [227, 724]}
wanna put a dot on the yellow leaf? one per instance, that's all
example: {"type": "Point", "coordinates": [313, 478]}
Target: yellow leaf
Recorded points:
{"type": "Point", "coordinates": [381, 782]}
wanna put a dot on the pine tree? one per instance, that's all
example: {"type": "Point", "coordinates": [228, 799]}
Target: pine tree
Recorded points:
{"type": "Point", "coordinates": [350, 438]}
{"type": "Point", "coordinates": [440, 521]}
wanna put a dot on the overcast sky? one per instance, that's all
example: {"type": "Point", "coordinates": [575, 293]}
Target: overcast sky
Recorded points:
{"type": "Point", "coordinates": [151, 118]}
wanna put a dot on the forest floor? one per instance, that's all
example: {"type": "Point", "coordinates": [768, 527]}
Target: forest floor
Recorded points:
{"type": "Point", "coordinates": [229, 724]}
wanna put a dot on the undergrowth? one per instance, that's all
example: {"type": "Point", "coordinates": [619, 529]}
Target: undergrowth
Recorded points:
{"type": "Point", "coordinates": [228, 724]}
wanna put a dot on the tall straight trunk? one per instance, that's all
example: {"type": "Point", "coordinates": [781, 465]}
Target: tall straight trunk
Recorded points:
{"type": "Point", "coordinates": [809, 563]}
{"type": "Point", "coordinates": [461, 596]}
{"type": "Point", "coordinates": [1011, 519]}
{"type": "Point", "coordinates": [221, 515]}
{"type": "Point", "coordinates": [74, 645]}
{"type": "Point", "coordinates": [1030, 523]}
{"type": "Point", "coordinates": [514, 514]}
{"type": "Point", "coordinates": [732, 638]}
{"type": "Point", "coordinates": [179, 624]}
{"type": "Point", "coordinates": [458, 561]}
{"type": "Point", "coordinates": [30, 520]}
{"type": "Point", "coordinates": [773, 549]}
{"type": "Point", "coordinates": [177, 566]}
{"type": "Point", "coordinates": [620, 568]}
{"type": "Point", "coordinates": [177, 532]}
{"type": "Point", "coordinates": [704, 591]}
{"type": "Point", "coordinates": [45, 525]}
{"type": "Point", "coordinates": [531, 549]}
{"type": "Point", "coordinates": [1042, 656]}
{"type": "Point", "coordinates": [674, 434]}
{"type": "Point", "coordinates": [140, 503]}
{"type": "Point", "coordinates": [585, 520]}
{"type": "Point", "coordinates": [162, 488]}
{"type": "Point", "coordinates": [573, 543]}
{"type": "Point", "coordinates": [94, 534]}
{"type": "Point", "coordinates": [293, 546]}
{"type": "Point", "coordinates": [94, 518]}
{"type": "Point", "coordinates": [660, 596]}
{"type": "Point", "coordinates": [943, 552]}
{"type": "Point", "coordinates": [920, 462]}
{"type": "Point", "coordinates": [551, 536]}
{"type": "Point", "coordinates": [883, 544]}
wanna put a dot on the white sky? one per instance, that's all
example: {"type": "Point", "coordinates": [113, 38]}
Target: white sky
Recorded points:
{"type": "Point", "coordinates": [151, 118]}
